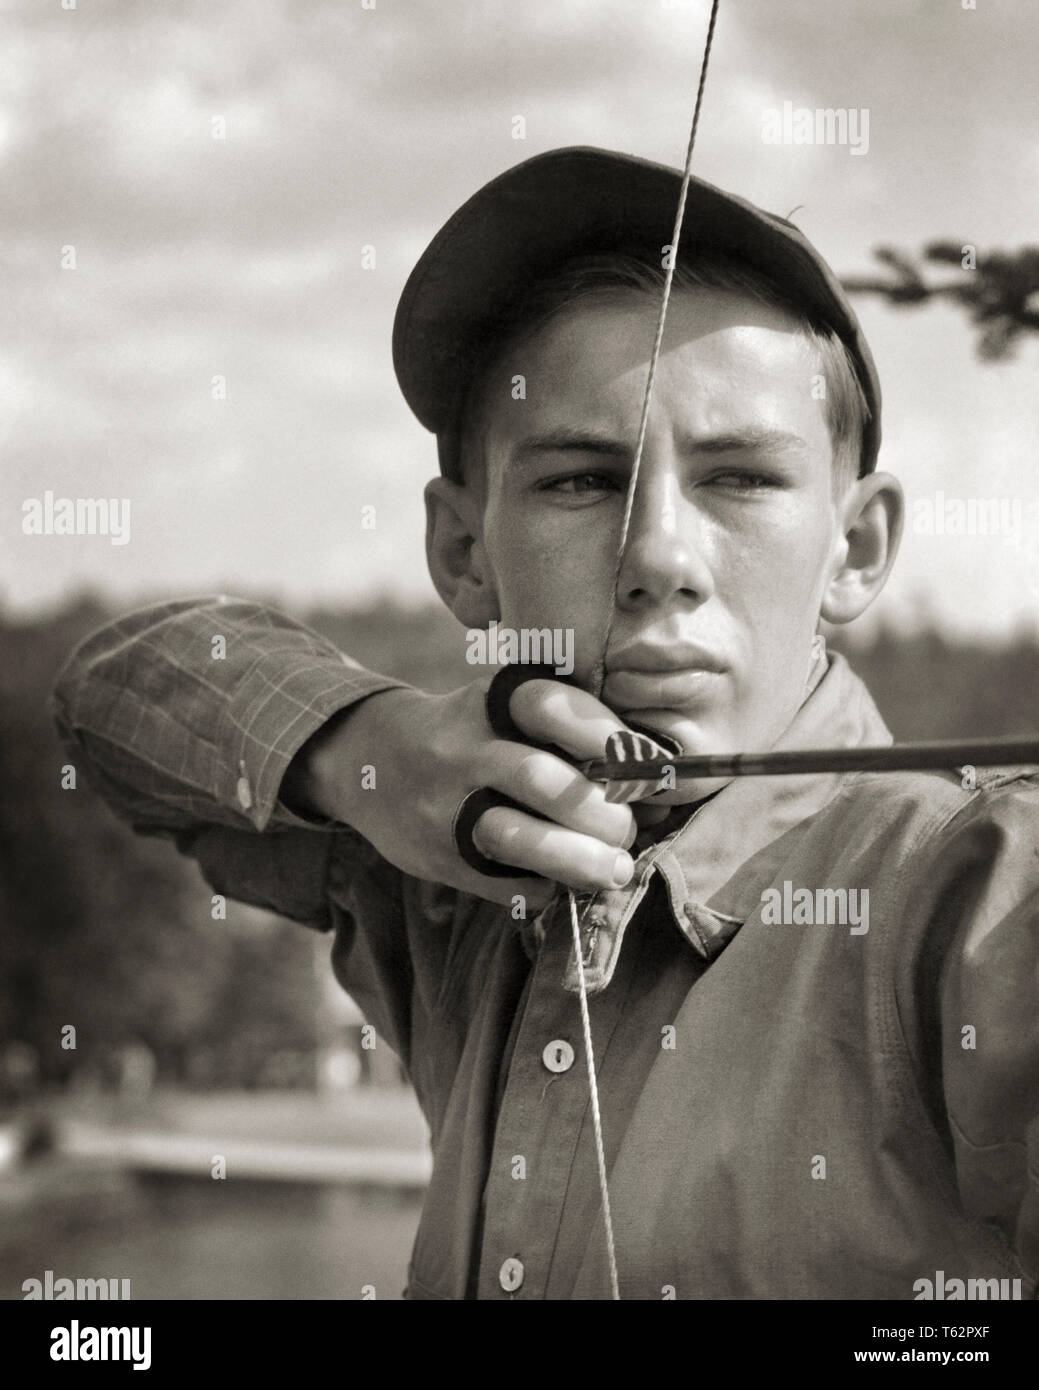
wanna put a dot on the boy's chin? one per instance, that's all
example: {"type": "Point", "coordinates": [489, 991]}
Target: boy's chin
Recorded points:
{"type": "Point", "coordinates": [694, 737]}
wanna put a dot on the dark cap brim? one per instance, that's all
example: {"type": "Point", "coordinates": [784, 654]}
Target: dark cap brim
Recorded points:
{"type": "Point", "coordinates": [581, 201]}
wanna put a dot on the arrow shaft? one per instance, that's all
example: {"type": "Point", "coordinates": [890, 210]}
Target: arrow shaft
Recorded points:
{"type": "Point", "coordinates": [905, 757]}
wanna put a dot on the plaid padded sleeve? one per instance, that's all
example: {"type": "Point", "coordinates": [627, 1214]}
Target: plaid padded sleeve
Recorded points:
{"type": "Point", "coordinates": [187, 714]}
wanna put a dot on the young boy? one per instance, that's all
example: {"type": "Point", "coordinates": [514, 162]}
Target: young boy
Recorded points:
{"type": "Point", "coordinates": [812, 998]}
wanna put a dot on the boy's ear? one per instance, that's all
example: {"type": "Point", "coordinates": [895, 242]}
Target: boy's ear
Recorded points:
{"type": "Point", "coordinates": [455, 554]}
{"type": "Point", "coordinates": [872, 512]}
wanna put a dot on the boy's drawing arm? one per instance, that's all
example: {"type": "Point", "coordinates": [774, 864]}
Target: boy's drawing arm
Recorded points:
{"type": "Point", "coordinates": [188, 714]}
{"type": "Point", "coordinates": [185, 716]}
{"type": "Point", "coordinates": [194, 716]}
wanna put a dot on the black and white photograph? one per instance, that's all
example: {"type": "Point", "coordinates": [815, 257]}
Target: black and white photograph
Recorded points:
{"type": "Point", "coordinates": [519, 666]}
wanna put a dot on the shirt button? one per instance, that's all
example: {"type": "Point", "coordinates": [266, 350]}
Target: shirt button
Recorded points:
{"type": "Point", "coordinates": [558, 1055]}
{"type": "Point", "coordinates": [510, 1276]}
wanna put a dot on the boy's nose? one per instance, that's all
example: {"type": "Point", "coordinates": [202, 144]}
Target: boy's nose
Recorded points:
{"type": "Point", "coordinates": [665, 555]}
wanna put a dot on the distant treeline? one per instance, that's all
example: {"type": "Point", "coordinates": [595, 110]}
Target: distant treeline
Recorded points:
{"type": "Point", "coordinates": [112, 933]}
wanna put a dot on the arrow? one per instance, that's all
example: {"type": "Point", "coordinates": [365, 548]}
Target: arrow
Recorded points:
{"type": "Point", "coordinates": [900, 757]}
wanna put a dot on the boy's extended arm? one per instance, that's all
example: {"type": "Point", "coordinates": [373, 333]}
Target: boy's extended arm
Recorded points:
{"type": "Point", "coordinates": [979, 976]}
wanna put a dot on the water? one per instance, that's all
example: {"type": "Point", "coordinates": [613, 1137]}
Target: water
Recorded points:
{"type": "Point", "coordinates": [182, 1238]}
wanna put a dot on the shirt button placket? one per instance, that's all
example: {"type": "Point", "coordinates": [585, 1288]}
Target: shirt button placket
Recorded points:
{"type": "Point", "coordinates": [540, 1119]}
{"type": "Point", "coordinates": [558, 1055]}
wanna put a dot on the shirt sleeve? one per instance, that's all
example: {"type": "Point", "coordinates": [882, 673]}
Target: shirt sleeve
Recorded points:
{"type": "Point", "coordinates": [989, 1013]}
{"type": "Point", "coordinates": [185, 716]}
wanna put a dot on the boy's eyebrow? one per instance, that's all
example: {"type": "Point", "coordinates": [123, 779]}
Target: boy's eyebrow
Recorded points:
{"type": "Point", "coordinates": [566, 440]}
{"type": "Point", "coordinates": [748, 439]}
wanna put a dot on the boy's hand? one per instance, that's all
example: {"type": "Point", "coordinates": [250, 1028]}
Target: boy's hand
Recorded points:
{"type": "Point", "coordinates": [429, 751]}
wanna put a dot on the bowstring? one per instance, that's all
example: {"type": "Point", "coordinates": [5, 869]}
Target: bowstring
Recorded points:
{"type": "Point", "coordinates": [600, 1149]}
{"type": "Point", "coordinates": [600, 674]}
{"type": "Point", "coordinates": [672, 259]}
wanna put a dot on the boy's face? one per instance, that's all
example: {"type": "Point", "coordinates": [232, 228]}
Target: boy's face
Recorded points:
{"type": "Point", "coordinates": [735, 532]}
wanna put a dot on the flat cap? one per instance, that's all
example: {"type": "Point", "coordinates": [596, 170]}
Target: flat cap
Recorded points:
{"type": "Point", "coordinates": [580, 201]}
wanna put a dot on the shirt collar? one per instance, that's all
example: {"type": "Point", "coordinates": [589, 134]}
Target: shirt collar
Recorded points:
{"type": "Point", "coordinates": [716, 863]}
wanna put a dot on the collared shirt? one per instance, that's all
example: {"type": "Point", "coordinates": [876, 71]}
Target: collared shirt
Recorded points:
{"type": "Point", "coordinates": [814, 1008]}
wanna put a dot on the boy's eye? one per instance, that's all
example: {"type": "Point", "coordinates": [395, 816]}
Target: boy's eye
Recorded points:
{"type": "Point", "coordinates": [576, 483]}
{"type": "Point", "coordinates": [741, 481]}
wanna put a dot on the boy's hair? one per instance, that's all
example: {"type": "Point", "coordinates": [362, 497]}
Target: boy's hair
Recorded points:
{"type": "Point", "coordinates": [847, 412]}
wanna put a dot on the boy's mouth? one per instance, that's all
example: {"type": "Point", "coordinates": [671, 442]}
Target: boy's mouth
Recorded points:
{"type": "Point", "coordinates": [650, 676]}
{"type": "Point", "coordinates": [675, 689]}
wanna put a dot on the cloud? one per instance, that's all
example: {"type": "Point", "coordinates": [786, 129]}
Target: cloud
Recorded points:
{"type": "Point", "coordinates": [241, 256]}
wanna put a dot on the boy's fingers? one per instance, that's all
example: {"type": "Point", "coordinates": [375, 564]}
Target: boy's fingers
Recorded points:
{"type": "Point", "coordinates": [580, 861]}
{"type": "Point", "coordinates": [575, 721]}
{"type": "Point", "coordinates": [554, 789]}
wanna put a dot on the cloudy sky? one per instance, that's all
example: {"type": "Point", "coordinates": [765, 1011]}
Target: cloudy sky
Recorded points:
{"type": "Point", "coordinates": [345, 127]}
